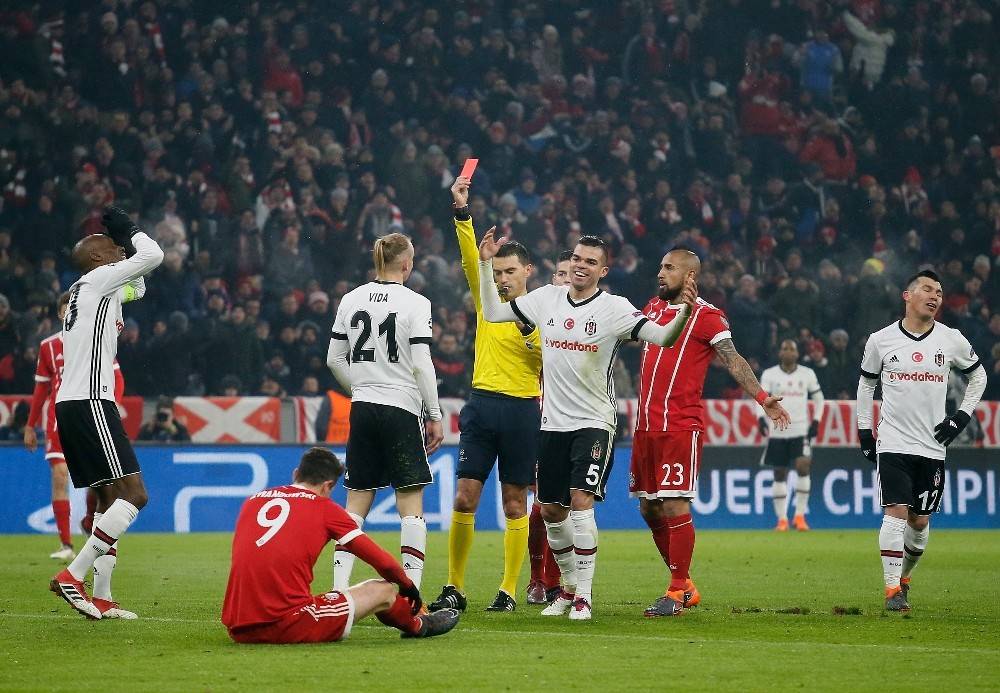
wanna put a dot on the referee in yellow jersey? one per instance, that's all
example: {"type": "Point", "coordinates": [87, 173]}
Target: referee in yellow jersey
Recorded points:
{"type": "Point", "coordinates": [501, 419]}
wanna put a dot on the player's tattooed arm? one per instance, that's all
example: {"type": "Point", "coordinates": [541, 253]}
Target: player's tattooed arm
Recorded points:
{"type": "Point", "coordinates": [743, 374]}
{"type": "Point", "coordinates": [737, 366]}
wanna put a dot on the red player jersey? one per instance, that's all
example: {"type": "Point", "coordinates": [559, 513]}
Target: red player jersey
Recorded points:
{"type": "Point", "coordinates": [672, 379]}
{"type": "Point", "coordinates": [48, 377]}
{"type": "Point", "coordinates": [279, 535]}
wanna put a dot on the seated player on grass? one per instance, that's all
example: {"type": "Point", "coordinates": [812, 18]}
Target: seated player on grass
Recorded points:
{"type": "Point", "coordinates": [279, 535]}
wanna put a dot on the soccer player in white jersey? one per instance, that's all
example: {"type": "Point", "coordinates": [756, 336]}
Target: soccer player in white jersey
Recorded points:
{"type": "Point", "coordinates": [381, 353]}
{"type": "Point", "coordinates": [912, 358]}
{"type": "Point", "coordinates": [796, 385]}
{"type": "Point", "coordinates": [98, 453]}
{"type": "Point", "coordinates": [582, 328]}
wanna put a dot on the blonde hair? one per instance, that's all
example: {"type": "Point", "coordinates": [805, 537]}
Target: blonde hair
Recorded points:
{"type": "Point", "coordinates": [388, 249]}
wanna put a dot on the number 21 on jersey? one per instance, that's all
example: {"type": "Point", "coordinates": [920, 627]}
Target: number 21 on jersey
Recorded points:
{"type": "Point", "coordinates": [386, 328]}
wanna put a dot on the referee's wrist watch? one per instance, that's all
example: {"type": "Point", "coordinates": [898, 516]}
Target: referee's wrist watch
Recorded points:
{"type": "Point", "coordinates": [461, 213]}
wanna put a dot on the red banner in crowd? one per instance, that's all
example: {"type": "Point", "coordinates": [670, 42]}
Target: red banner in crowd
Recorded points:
{"type": "Point", "coordinates": [230, 419]}
{"type": "Point", "coordinates": [728, 421]}
{"type": "Point", "coordinates": [130, 409]}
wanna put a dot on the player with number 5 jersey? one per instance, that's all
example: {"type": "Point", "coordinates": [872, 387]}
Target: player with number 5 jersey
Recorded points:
{"type": "Point", "coordinates": [913, 359]}
{"type": "Point", "coordinates": [380, 352]}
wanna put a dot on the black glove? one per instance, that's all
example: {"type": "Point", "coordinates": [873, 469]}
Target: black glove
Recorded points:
{"type": "Point", "coordinates": [946, 431]}
{"type": "Point", "coordinates": [120, 228]}
{"type": "Point", "coordinates": [813, 429]}
{"type": "Point", "coordinates": [867, 439]}
{"type": "Point", "coordinates": [413, 594]}
{"type": "Point", "coordinates": [762, 426]}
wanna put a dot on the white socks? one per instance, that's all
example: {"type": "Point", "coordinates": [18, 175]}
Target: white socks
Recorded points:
{"type": "Point", "coordinates": [412, 545]}
{"type": "Point", "coordinates": [104, 566]}
{"type": "Point", "coordinates": [343, 561]}
{"type": "Point", "coordinates": [107, 529]}
{"type": "Point", "coordinates": [585, 543]}
{"type": "Point", "coordinates": [914, 543]}
{"type": "Point", "coordinates": [560, 536]}
{"type": "Point", "coordinates": [802, 486]}
{"type": "Point", "coordinates": [779, 496]}
{"type": "Point", "coordinates": [890, 543]}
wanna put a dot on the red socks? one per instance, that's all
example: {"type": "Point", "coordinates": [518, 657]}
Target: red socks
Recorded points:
{"type": "Point", "coordinates": [537, 543]}
{"type": "Point", "coordinates": [681, 549]}
{"type": "Point", "coordinates": [660, 528]}
{"type": "Point", "coordinates": [400, 616]}
{"type": "Point", "coordinates": [552, 572]}
{"type": "Point", "coordinates": [60, 508]}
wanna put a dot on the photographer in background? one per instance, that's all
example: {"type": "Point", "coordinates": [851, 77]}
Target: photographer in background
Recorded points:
{"type": "Point", "coordinates": [164, 427]}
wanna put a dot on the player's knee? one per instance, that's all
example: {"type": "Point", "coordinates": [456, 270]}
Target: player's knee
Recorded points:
{"type": "Point", "coordinates": [780, 474]}
{"type": "Point", "coordinates": [553, 513]}
{"type": "Point", "coordinates": [674, 507]}
{"type": "Point", "coordinates": [919, 522]}
{"type": "Point", "coordinates": [60, 475]}
{"type": "Point", "coordinates": [466, 501]}
{"type": "Point", "coordinates": [650, 510]}
{"type": "Point", "coordinates": [515, 507]}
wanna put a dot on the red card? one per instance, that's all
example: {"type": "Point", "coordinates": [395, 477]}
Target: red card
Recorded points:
{"type": "Point", "coordinates": [469, 168]}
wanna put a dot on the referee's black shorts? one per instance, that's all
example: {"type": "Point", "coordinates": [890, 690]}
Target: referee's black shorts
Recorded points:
{"type": "Point", "coordinates": [499, 427]}
{"type": "Point", "coordinates": [94, 442]}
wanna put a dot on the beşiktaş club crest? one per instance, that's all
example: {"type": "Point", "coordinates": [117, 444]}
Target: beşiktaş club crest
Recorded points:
{"type": "Point", "coordinates": [595, 451]}
{"type": "Point", "coordinates": [937, 478]}
{"type": "Point", "coordinates": [590, 328]}
{"type": "Point", "coordinates": [939, 358]}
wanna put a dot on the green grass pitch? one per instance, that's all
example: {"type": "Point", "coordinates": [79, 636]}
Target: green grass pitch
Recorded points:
{"type": "Point", "coordinates": [766, 623]}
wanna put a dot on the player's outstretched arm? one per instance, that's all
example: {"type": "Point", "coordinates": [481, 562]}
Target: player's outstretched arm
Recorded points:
{"type": "Point", "coordinates": [667, 335]}
{"type": "Point", "coordinates": [743, 375]}
{"type": "Point", "coordinates": [336, 361]}
{"type": "Point", "coordinates": [493, 309]}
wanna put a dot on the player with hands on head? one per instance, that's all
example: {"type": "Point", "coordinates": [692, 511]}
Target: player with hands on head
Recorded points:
{"type": "Point", "coordinates": [582, 328]}
{"type": "Point", "coordinates": [380, 353]}
{"type": "Point", "coordinates": [48, 377]}
{"type": "Point", "coordinates": [280, 533]}
{"type": "Point", "coordinates": [98, 453]}
{"type": "Point", "coordinates": [499, 422]}
{"type": "Point", "coordinates": [912, 358]}
{"type": "Point", "coordinates": [796, 385]}
{"type": "Point", "coordinates": [667, 445]}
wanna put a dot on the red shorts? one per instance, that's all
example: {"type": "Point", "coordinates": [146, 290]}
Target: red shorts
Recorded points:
{"type": "Point", "coordinates": [327, 618]}
{"type": "Point", "coordinates": [53, 447]}
{"type": "Point", "coordinates": [665, 464]}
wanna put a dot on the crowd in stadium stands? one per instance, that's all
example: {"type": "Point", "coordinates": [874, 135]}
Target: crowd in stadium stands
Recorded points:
{"type": "Point", "coordinates": [812, 152]}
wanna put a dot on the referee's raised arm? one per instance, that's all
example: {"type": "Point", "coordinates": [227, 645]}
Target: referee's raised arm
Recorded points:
{"type": "Point", "coordinates": [466, 237]}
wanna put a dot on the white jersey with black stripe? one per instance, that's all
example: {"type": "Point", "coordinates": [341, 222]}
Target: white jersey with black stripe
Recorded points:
{"type": "Point", "coordinates": [580, 341]}
{"type": "Point", "coordinates": [94, 318]}
{"type": "Point", "coordinates": [381, 321]}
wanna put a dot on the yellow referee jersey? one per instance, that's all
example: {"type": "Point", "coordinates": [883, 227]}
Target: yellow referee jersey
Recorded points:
{"type": "Point", "coordinates": [507, 362]}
